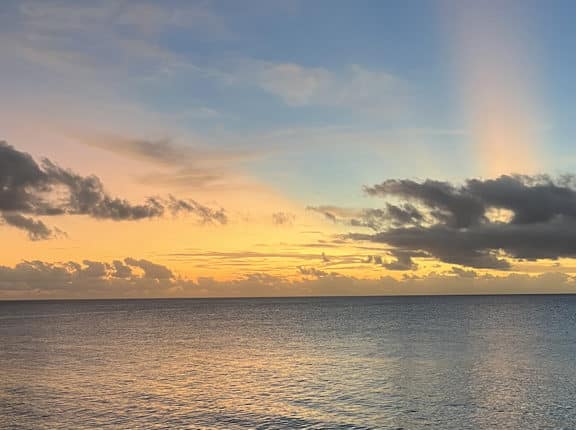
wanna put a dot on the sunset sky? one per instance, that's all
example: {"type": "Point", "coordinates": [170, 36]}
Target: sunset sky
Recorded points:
{"type": "Point", "coordinates": [286, 148]}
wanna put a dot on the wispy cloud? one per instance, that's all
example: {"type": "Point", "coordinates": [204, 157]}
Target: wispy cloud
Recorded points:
{"type": "Point", "coordinates": [193, 165]}
{"type": "Point", "coordinates": [353, 87]}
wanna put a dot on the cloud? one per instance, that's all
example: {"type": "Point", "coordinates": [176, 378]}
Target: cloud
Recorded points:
{"type": "Point", "coordinates": [334, 284]}
{"type": "Point", "coordinates": [312, 271]}
{"type": "Point", "coordinates": [121, 270]}
{"type": "Point", "coordinates": [165, 152]}
{"type": "Point", "coordinates": [278, 258]}
{"type": "Point", "coordinates": [91, 61]}
{"type": "Point", "coordinates": [240, 255]}
{"type": "Point", "coordinates": [283, 218]}
{"type": "Point", "coordinates": [447, 204]}
{"type": "Point", "coordinates": [401, 260]}
{"type": "Point", "coordinates": [151, 270]}
{"type": "Point", "coordinates": [193, 165]}
{"type": "Point", "coordinates": [110, 40]}
{"type": "Point", "coordinates": [86, 279]}
{"type": "Point", "coordinates": [36, 229]}
{"type": "Point", "coordinates": [353, 87]}
{"type": "Point", "coordinates": [142, 278]}
{"type": "Point", "coordinates": [464, 273]}
{"type": "Point", "coordinates": [375, 219]}
{"type": "Point", "coordinates": [93, 269]}
{"type": "Point", "coordinates": [46, 189]}
{"type": "Point", "coordinates": [128, 28]}
{"type": "Point", "coordinates": [456, 223]}
{"type": "Point", "coordinates": [66, 16]}
{"type": "Point", "coordinates": [335, 213]}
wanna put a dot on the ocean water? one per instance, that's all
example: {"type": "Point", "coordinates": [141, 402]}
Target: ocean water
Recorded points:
{"type": "Point", "coordinates": [505, 362]}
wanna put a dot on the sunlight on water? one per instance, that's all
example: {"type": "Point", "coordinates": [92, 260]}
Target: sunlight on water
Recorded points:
{"type": "Point", "coordinates": [449, 363]}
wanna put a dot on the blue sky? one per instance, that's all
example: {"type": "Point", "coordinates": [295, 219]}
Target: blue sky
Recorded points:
{"type": "Point", "coordinates": [314, 79]}
{"type": "Point", "coordinates": [263, 109]}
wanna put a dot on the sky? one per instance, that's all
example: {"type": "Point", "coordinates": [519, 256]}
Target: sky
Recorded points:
{"type": "Point", "coordinates": [286, 148]}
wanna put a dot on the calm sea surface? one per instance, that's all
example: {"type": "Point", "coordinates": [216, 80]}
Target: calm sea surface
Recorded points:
{"type": "Point", "coordinates": [332, 363]}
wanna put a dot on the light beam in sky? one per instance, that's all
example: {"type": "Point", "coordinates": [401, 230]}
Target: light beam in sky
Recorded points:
{"type": "Point", "coordinates": [497, 85]}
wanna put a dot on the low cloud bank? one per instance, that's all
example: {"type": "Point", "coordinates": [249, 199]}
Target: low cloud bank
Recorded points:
{"type": "Point", "coordinates": [133, 277]}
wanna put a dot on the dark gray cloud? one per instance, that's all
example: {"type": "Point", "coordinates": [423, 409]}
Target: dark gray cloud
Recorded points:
{"type": "Point", "coordinates": [447, 203]}
{"type": "Point", "coordinates": [19, 173]}
{"type": "Point", "coordinates": [375, 219]}
{"type": "Point", "coordinates": [401, 260]}
{"type": "Point", "coordinates": [45, 189]}
{"type": "Point", "coordinates": [121, 270]}
{"type": "Point", "coordinates": [532, 199]}
{"type": "Point", "coordinates": [403, 214]}
{"type": "Point", "coordinates": [464, 273]}
{"type": "Point", "coordinates": [334, 213]}
{"type": "Point", "coordinates": [36, 229]}
{"type": "Point", "coordinates": [455, 224]}
{"type": "Point", "coordinates": [207, 215]}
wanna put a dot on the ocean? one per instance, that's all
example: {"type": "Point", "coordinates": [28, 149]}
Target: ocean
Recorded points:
{"type": "Point", "coordinates": [466, 362]}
